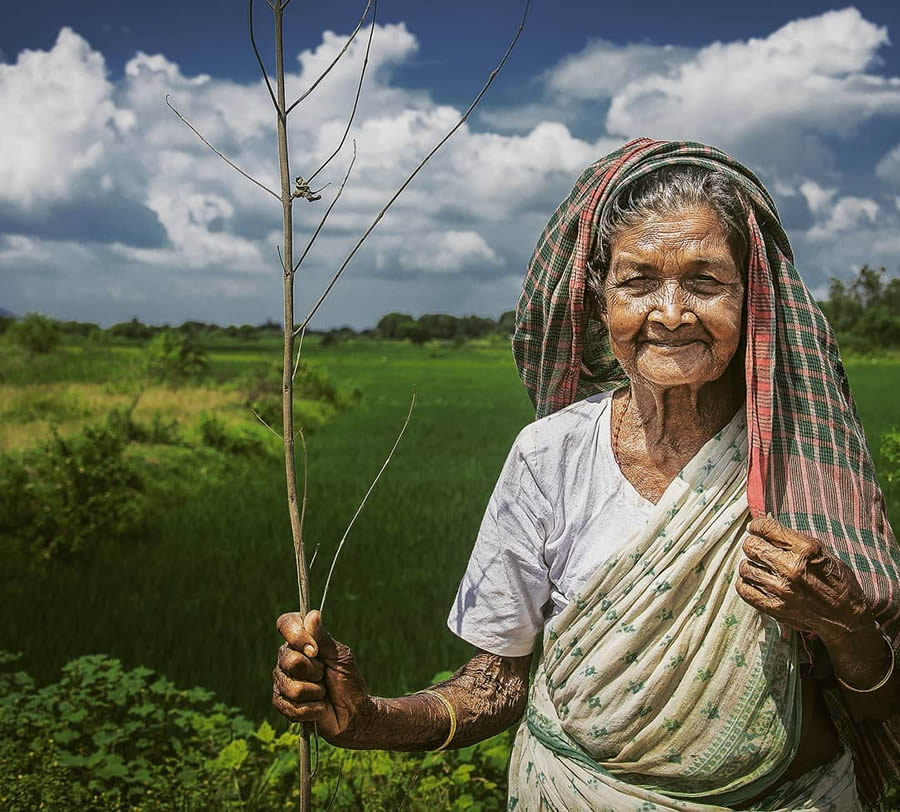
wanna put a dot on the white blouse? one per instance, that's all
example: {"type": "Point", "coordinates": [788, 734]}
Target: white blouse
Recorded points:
{"type": "Point", "coordinates": [561, 507]}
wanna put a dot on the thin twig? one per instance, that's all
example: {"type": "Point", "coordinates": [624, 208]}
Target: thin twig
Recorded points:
{"type": "Point", "coordinates": [227, 160]}
{"type": "Point", "coordinates": [363, 503]}
{"type": "Point", "coordinates": [328, 210]}
{"type": "Point", "coordinates": [362, 75]}
{"type": "Point", "coordinates": [299, 347]}
{"type": "Point", "coordinates": [313, 559]}
{"type": "Point", "coordinates": [262, 66]}
{"type": "Point", "coordinates": [415, 172]}
{"type": "Point", "coordinates": [334, 62]}
{"type": "Point", "coordinates": [337, 784]}
{"type": "Point", "coordinates": [305, 492]}
{"type": "Point", "coordinates": [259, 417]}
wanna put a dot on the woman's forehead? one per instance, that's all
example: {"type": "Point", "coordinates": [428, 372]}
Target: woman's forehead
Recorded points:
{"type": "Point", "coordinates": [695, 233]}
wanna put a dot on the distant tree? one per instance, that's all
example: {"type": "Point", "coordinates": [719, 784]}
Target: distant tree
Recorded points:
{"type": "Point", "coordinates": [134, 329]}
{"type": "Point", "coordinates": [507, 322]}
{"type": "Point", "coordinates": [36, 333]}
{"type": "Point", "coordinates": [866, 312]}
{"type": "Point", "coordinates": [395, 325]}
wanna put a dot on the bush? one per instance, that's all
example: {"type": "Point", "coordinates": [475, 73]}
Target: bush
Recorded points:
{"type": "Point", "coordinates": [55, 407]}
{"type": "Point", "coordinates": [159, 432]}
{"type": "Point", "coordinates": [65, 497]}
{"type": "Point", "coordinates": [174, 357]}
{"type": "Point", "coordinates": [103, 737]}
{"type": "Point", "coordinates": [35, 333]}
{"type": "Point", "coordinates": [215, 434]}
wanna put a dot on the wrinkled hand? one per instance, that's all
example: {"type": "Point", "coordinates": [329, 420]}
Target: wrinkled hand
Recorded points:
{"type": "Point", "coordinates": [317, 680]}
{"type": "Point", "coordinates": [792, 578]}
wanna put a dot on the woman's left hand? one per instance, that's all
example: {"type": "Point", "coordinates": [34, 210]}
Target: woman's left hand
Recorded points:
{"type": "Point", "coordinates": [792, 578]}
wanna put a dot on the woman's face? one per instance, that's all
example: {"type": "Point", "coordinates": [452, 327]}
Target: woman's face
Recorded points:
{"type": "Point", "coordinates": [674, 299]}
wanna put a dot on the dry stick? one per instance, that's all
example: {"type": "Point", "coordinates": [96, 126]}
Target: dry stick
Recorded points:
{"type": "Point", "coordinates": [337, 784]}
{"type": "Point", "coordinates": [287, 410]}
{"type": "Point", "coordinates": [363, 503]}
{"type": "Point", "coordinates": [362, 75]}
{"type": "Point", "coordinates": [334, 62]}
{"type": "Point", "coordinates": [328, 210]}
{"type": "Point", "coordinates": [415, 172]}
{"type": "Point", "coordinates": [227, 160]}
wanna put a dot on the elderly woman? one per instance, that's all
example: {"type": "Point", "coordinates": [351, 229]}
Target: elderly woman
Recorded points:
{"type": "Point", "coordinates": [690, 536]}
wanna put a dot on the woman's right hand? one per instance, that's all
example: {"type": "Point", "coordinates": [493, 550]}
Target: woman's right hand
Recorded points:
{"type": "Point", "coordinates": [317, 680]}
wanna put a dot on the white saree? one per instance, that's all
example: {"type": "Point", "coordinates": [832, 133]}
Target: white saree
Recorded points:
{"type": "Point", "coordinates": [658, 687]}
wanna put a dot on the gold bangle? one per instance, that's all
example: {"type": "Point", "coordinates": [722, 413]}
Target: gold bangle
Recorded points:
{"type": "Point", "coordinates": [884, 679]}
{"type": "Point", "coordinates": [452, 713]}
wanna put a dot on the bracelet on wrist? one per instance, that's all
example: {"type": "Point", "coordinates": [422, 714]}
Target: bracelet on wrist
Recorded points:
{"type": "Point", "coordinates": [452, 713]}
{"type": "Point", "coordinates": [884, 680]}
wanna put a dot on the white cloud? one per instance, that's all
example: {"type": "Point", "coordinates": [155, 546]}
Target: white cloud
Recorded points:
{"type": "Point", "coordinates": [816, 196]}
{"type": "Point", "coordinates": [602, 68]}
{"type": "Point", "coordinates": [888, 167]}
{"type": "Point", "coordinates": [809, 76]}
{"type": "Point", "coordinates": [847, 213]}
{"type": "Point", "coordinates": [478, 207]}
{"type": "Point", "coordinates": [59, 120]}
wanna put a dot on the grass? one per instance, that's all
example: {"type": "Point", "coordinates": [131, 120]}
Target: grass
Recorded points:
{"type": "Point", "coordinates": [197, 594]}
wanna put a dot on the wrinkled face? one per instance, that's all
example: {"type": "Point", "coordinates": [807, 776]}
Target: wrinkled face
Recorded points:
{"type": "Point", "coordinates": [674, 299]}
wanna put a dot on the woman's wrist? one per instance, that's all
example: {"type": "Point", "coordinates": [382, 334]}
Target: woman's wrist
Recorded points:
{"type": "Point", "coordinates": [859, 655]}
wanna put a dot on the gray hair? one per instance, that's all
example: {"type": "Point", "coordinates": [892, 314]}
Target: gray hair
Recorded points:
{"type": "Point", "coordinates": [664, 191]}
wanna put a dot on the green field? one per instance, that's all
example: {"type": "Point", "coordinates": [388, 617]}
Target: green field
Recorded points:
{"type": "Point", "coordinates": [197, 594]}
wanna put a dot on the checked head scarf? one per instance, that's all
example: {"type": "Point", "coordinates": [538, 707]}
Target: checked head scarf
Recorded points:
{"type": "Point", "coordinates": [809, 464]}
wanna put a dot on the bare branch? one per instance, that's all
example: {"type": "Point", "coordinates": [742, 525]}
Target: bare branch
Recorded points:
{"type": "Point", "coordinates": [299, 347]}
{"type": "Point", "coordinates": [362, 75]}
{"type": "Point", "coordinates": [259, 417]}
{"type": "Point", "coordinates": [415, 172]}
{"type": "Point", "coordinates": [363, 503]}
{"type": "Point", "coordinates": [223, 157]}
{"type": "Point", "coordinates": [262, 66]}
{"type": "Point", "coordinates": [327, 212]}
{"type": "Point", "coordinates": [337, 783]}
{"type": "Point", "coordinates": [298, 542]}
{"type": "Point", "coordinates": [334, 62]}
{"type": "Point", "coordinates": [313, 559]}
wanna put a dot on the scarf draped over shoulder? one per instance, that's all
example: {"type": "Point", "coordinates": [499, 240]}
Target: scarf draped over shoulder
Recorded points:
{"type": "Point", "coordinates": [808, 461]}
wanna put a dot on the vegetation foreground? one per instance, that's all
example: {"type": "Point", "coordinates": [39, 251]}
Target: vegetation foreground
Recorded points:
{"type": "Point", "coordinates": [195, 561]}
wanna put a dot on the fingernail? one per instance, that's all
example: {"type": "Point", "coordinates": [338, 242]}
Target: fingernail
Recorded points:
{"type": "Point", "coordinates": [309, 651]}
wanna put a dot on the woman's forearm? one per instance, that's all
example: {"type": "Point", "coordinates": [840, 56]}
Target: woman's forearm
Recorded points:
{"type": "Point", "coordinates": [488, 694]}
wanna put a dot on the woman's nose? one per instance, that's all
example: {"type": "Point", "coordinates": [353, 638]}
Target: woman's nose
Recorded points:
{"type": "Point", "coordinates": [671, 310]}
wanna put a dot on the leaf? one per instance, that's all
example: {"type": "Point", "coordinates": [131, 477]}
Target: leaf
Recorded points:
{"type": "Point", "coordinates": [265, 732]}
{"type": "Point", "coordinates": [232, 755]}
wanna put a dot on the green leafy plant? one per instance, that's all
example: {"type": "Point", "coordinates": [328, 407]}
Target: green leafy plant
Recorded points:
{"type": "Point", "coordinates": [175, 356]}
{"type": "Point", "coordinates": [71, 493]}
{"type": "Point", "coordinates": [215, 434]}
{"type": "Point", "coordinates": [35, 333]}
{"type": "Point", "coordinates": [104, 737]}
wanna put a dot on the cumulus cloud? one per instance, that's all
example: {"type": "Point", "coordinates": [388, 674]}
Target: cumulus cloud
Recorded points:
{"type": "Point", "coordinates": [810, 75]}
{"type": "Point", "coordinates": [152, 223]}
{"type": "Point", "coordinates": [888, 167]}
{"type": "Point", "coordinates": [847, 213]}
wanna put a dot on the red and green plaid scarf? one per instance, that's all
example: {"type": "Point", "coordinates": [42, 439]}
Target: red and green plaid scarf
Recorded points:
{"type": "Point", "coordinates": [809, 464]}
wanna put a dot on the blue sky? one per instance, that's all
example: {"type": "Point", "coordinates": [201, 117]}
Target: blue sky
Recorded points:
{"type": "Point", "coordinates": [110, 208]}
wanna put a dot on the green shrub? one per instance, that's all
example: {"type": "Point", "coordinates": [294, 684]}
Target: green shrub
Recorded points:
{"type": "Point", "coordinates": [174, 357]}
{"type": "Point", "coordinates": [35, 333]}
{"type": "Point", "coordinates": [159, 432]}
{"type": "Point", "coordinates": [66, 496]}
{"type": "Point", "coordinates": [103, 737]}
{"type": "Point", "coordinates": [215, 434]}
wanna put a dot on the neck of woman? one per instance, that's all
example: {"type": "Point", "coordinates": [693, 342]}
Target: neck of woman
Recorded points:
{"type": "Point", "coordinates": [677, 421]}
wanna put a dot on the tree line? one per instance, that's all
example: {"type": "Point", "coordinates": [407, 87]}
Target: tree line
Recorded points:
{"type": "Point", "coordinates": [864, 312]}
